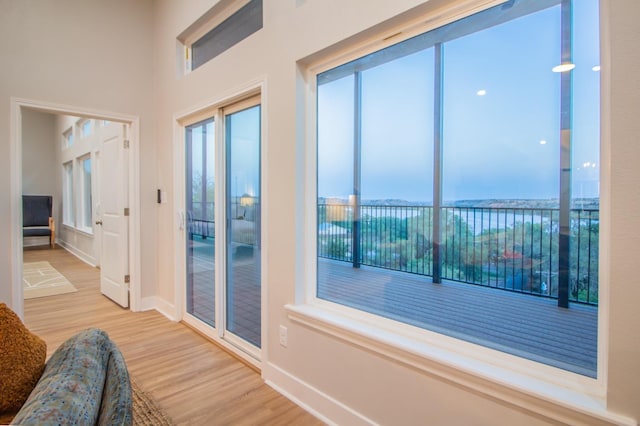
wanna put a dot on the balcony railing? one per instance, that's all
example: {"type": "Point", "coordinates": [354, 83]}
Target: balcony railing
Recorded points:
{"type": "Point", "coordinates": [200, 219]}
{"type": "Point", "coordinates": [513, 249]}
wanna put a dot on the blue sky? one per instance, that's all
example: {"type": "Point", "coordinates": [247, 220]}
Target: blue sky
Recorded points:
{"type": "Point", "coordinates": [501, 117]}
{"type": "Point", "coordinates": [244, 146]}
{"type": "Point", "coordinates": [244, 149]}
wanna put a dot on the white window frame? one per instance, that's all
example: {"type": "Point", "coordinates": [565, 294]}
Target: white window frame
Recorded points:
{"type": "Point", "coordinates": [82, 128]}
{"type": "Point", "coordinates": [509, 378]}
{"type": "Point", "coordinates": [67, 136]}
{"type": "Point", "coordinates": [82, 190]}
{"type": "Point", "coordinates": [248, 95]}
{"type": "Point", "coordinates": [68, 216]}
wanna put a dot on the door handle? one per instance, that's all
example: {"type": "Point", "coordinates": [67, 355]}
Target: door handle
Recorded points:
{"type": "Point", "coordinates": [98, 222]}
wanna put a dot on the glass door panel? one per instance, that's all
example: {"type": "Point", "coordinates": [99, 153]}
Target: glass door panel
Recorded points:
{"type": "Point", "coordinates": [200, 218]}
{"type": "Point", "coordinates": [243, 290]}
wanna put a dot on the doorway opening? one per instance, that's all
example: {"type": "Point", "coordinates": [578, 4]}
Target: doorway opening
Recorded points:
{"type": "Point", "coordinates": [100, 221]}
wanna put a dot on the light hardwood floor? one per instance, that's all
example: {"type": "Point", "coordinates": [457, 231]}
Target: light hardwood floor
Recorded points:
{"type": "Point", "coordinates": [195, 381]}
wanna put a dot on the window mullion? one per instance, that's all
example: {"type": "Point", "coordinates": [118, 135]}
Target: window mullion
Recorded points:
{"type": "Point", "coordinates": [357, 168]}
{"type": "Point", "coordinates": [564, 255]}
{"type": "Point", "coordinates": [437, 163]}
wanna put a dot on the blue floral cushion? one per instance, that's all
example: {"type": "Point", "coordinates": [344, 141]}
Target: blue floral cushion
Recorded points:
{"type": "Point", "coordinates": [85, 380]}
{"type": "Point", "coordinates": [116, 406]}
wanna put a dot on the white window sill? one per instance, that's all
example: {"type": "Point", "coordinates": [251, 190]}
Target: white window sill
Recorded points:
{"type": "Point", "coordinates": [84, 231]}
{"type": "Point", "coordinates": [450, 359]}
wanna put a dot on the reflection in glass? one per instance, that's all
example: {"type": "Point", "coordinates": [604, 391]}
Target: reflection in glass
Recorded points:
{"type": "Point", "coordinates": [200, 219]}
{"type": "Point", "coordinates": [243, 292]}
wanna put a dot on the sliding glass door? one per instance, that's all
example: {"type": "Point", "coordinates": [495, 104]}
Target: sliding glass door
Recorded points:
{"type": "Point", "coordinates": [242, 287]}
{"type": "Point", "coordinates": [222, 225]}
{"type": "Point", "coordinates": [200, 220]}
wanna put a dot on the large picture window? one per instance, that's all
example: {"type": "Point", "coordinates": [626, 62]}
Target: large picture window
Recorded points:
{"type": "Point", "coordinates": [458, 185]}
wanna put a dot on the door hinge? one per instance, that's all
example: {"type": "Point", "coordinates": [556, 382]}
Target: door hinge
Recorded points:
{"type": "Point", "coordinates": [126, 211]}
{"type": "Point", "coordinates": [126, 143]}
{"type": "Point", "coordinates": [127, 279]}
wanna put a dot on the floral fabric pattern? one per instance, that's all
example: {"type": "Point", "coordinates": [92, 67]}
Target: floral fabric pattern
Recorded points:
{"type": "Point", "coordinates": [85, 382]}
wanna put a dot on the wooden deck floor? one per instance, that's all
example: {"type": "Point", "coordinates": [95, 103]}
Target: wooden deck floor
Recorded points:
{"type": "Point", "coordinates": [529, 326]}
{"type": "Point", "coordinates": [244, 307]}
{"type": "Point", "coordinates": [524, 325]}
{"type": "Point", "coordinates": [194, 381]}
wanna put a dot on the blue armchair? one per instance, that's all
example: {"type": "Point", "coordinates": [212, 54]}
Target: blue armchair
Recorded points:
{"type": "Point", "coordinates": [37, 217]}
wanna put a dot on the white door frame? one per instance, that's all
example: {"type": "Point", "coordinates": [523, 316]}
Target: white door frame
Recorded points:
{"type": "Point", "coordinates": [181, 120]}
{"type": "Point", "coordinates": [17, 104]}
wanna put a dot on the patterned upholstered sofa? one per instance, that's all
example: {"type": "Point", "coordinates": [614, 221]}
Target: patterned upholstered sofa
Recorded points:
{"type": "Point", "coordinates": [85, 382]}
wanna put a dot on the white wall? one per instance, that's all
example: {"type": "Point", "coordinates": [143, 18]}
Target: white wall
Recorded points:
{"type": "Point", "coordinates": [40, 176]}
{"type": "Point", "coordinates": [315, 364]}
{"type": "Point", "coordinates": [624, 205]}
{"type": "Point", "coordinates": [38, 151]}
{"type": "Point", "coordinates": [91, 55]}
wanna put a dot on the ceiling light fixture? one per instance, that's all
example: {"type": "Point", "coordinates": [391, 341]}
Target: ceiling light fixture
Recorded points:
{"type": "Point", "coordinates": [563, 67]}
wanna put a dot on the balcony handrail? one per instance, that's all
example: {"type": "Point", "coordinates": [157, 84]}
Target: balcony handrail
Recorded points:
{"type": "Point", "coordinates": [512, 248]}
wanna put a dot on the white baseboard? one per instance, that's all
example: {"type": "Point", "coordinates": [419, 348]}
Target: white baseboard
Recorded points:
{"type": "Point", "coordinates": [85, 257]}
{"type": "Point", "coordinates": [35, 241]}
{"type": "Point", "coordinates": [316, 402]}
{"type": "Point", "coordinates": [160, 305]}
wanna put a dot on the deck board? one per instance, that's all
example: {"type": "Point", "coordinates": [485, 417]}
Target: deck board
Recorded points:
{"type": "Point", "coordinates": [526, 325]}
{"type": "Point", "coordinates": [529, 326]}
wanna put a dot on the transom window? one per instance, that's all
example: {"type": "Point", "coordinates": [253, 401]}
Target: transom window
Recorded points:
{"type": "Point", "coordinates": [222, 27]}
{"type": "Point", "coordinates": [458, 181]}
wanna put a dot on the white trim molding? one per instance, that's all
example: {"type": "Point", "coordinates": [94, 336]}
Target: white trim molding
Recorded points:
{"type": "Point", "coordinates": [15, 172]}
{"type": "Point", "coordinates": [156, 303]}
{"type": "Point", "coordinates": [85, 257]}
{"type": "Point", "coordinates": [327, 409]}
{"type": "Point", "coordinates": [133, 122]}
{"type": "Point", "coordinates": [553, 401]}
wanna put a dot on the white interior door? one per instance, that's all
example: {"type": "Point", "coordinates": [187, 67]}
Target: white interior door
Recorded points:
{"type": "Point", "coordinates": [114, 216]}
{"type": "Point", "coordinates": [97, 208]}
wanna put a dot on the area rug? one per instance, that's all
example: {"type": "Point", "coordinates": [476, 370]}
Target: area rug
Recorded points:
{"type": "Point", "coordinates": [146, 411]}
{"type": "Point", "coordinates": [40, 279]}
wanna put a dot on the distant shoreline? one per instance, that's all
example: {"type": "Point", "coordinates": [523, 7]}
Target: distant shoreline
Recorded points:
{"type": "Point", "coordinates": [581, 203]}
